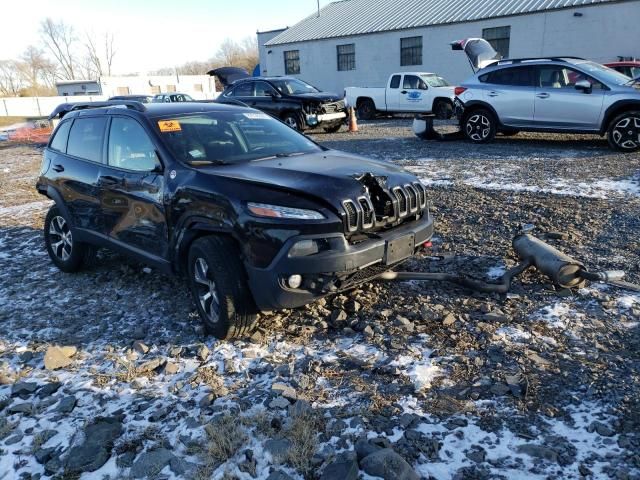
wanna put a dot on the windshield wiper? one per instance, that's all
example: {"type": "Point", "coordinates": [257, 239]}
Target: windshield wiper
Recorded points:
{"type": "Point", "coordinates": [279, 155]}
{"type": "Point", "coordinates": [200, 163]}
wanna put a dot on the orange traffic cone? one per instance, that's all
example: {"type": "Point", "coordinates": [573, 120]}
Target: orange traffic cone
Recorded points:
{"type": "Point", "coordinates": [353, 123]}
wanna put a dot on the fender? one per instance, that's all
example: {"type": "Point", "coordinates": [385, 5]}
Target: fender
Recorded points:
{"type": "Point", "coordinates": [615, 109]}
{"type": "Point", "coordinates": [56, 196]}
{"type": "Point", "coordinates": [475, 104]}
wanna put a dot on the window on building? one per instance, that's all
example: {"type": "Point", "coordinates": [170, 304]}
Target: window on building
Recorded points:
{"type": "Point", "coordinates": [85, 138]}
{"type": "Point", "coordinates": [411, 51]}
{"type": "Point", "coordinates": [346, 57]}
{"type": "Point", "coordinates": [197, 87]}
{"type": "Point", "coordinates": [292, 62]}
{"type": "Point", "coordinates": [171, 88]}
{"type": "Point", "coordinates": [498, 37]}
{"type": "Point", "coordinates": [155, 90]}
{"type": "Point", "coordinates": [123, 90]}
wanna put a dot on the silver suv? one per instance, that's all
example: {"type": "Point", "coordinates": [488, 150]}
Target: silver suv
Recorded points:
{"type": "Point", "coordinates": [556, 94]}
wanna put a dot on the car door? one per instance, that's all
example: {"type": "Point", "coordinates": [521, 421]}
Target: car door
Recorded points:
{"type": "Point", "coordinates": [413, 96]}
{"type": "Point", "coordinates": [393, 93]}
{"type": "Point", "coordinates": [75, 168]}
{"type": "Point", "coordinates": [265, 98]}
{"type": "Point", "coordinates": [243, 92]}
{"type": "Point", "coordinates": [131, 190]}
{"type": "Point", "coordinates": [559, 104]}
{"type": "Point", "coordinates": [511, 93]}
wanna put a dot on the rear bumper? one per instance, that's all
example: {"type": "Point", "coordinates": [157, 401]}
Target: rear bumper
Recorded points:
{"type": "Point", "coordinates": [331, 271]}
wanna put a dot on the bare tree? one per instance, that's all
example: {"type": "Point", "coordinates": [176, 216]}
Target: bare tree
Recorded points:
{"type": "Point", "coordinates": [109, 51]}
{"type": "Point", "coordinates": [10, 83]}
{"type": "Point", "coordinates": [36, 69]}
{"type": "Point", "coordinates": [93, 57]}
{"type": "Point", "coordinates": [101, 61]}
{"type": "Point", "coordinates": [59, 38]}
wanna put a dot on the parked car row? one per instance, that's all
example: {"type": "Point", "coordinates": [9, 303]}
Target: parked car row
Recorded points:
{"type": "Point", "coordinates": [563, 94]}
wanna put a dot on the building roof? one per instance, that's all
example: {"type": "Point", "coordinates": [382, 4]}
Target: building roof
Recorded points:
{"type": "Point", "coordinates": [357, 17]}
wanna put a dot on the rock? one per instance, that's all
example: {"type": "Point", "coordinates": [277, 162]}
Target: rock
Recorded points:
{"type": "Point", "coordinates": [601, 429]}
{"type": "Point", "coordinates": [96, 449]}
{"type": "Point", "coordinates": [278, 448]}
{"type": "Point", "coordinates": [343, 467]}
{"type": "Point", "coordinates": [285, 390]}
{"type": "Point", "coordinates": [279, 402]}
{"type": "Point", "coordinates": [52, 466]}
{"type": "Point", "coordinates": [389, 465]}
{"type": "Point", "coordinates": [352, 306]}
{"type": "Point", "coordinates": [43, 455]}
{"type": "Point", "coordinates": [49, 389]}
{"type": "Point", "coordinates": [300, 407]}
{"type": "Point", "coordinates": [476, 454]}
{"type": "Point", "coordinates": [140, 347]}
{"type": "Point", "coordinates": [24, 408]}
{"type": "Point", "coordinates": [368, 331]}
{"type": "Point", "coordinates": [175, 351]}
{"type": "Point", "coordinates": [126, 459]}
{"type": "Point", "coordinates": [542, 362]}
{"type": "Point", "coordinates": [207, 400]}
{"type": "Point", "coordinates": [539, 451]}
{"type": "Point", "coordinates": [67, 404]}
{"type": "Point", "coordinates": [149, 464]}
{"type": "Point", "coordinates": [58, 357]}
{"type": "Point", "coordinates": [449, 320]}
{"type": "Point", "coordinates": [338, 316]}
{"type": "Point", "coordinates": [23, 389]}
{"type": "Point", "coordinates": [171, 368]}
{"type": "Point", "coordinates": [202, 353]}
{"type": "Point", "coordinates": [15, 438]}
{"type": "Point", "coordinates": [151, 365]}
{"type": "Point", "coordinates": [364, 448]}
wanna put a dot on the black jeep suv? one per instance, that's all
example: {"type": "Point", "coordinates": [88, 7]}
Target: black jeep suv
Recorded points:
{"type": "Point", "coordinates": [294, 101]}
{"type": "Point", "coordinates": [254, 214]}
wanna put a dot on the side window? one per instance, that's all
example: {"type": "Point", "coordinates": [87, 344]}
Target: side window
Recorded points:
{"type": "Point", "coordinates": [59, 141]}
{"type": "Point", "coordinates": [130, 146]}
{"type": "Point", "coordinates": [555, 76]}
{"type": "Point", "coordinates": [245, 89]}
{"type": "Point", "coordinates": [411, 81]}
{"type": "Point", "coordinates": [85, 138]}
{"type": "Point", "coordinates": [515, 77]}
{"type": "Point", "coordinates": [263, 89]}
{"type": "Point", "coordinates": [395, 82]}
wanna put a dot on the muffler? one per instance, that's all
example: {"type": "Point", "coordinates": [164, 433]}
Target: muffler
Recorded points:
{"type": "Point", "coordinates": [559, 267]}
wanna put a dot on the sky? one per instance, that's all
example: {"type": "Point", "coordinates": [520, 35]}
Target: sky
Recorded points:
{"type": "Point", "coordinates": [151, 34]}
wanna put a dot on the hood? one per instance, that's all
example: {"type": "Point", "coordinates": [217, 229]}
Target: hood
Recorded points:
{"type": "Point", "coordinates": [331, 176]}
{"type": "Point", "coordinates": [228, 75]}
{"type": "Point", "coordinates": [319, 96]}
{"type": "Point", "coordinates": [479, 52]}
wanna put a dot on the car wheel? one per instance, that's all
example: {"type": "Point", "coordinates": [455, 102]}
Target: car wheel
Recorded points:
{"type": "Point", "coordinates": [66, 253]}
{"type": "Point", "coordinates": [366, 109]}
{"type": "Point", "coordinates": [292, 120]}
{"type": "Point", "coordinates": [480, 126]}
{"type": "Point", "coordinates": [333, 128]}
{"type": "Point", "coordinates": [624, 132]}
{"type": "Point", "coordinates": [443, 110]}
{"type": "Point", "coordinates": [217, 281]}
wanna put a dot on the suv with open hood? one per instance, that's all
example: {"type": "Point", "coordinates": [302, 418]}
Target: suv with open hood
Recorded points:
{"type": "Point", "coordinates": [547, 94]}
{"type": "Point", "coordinates": [294, 101]}
{"type": "Point", "coordinates": [255, 215]}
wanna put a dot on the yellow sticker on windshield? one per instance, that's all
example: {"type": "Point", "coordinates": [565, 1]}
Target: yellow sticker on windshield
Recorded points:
{"type": "Point", "coordinates": [169, 126]}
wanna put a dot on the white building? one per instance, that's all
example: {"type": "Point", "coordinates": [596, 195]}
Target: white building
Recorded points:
{"type": "Point", "coordinates": [72, 88]}
{"type": "Point", "coordinates": [361, 42]}
{"type": "Point", "coordinates": [200, 87]}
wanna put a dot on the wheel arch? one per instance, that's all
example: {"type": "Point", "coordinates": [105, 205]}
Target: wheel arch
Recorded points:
{"type": "Point", "coordinates": [190, 229]}
{"type": "Point", "coordinates": [616, 109]}
{"type": "Point", "coordinates": [473, 105]}
{"type": "Point", "coordinates": [56, 196]}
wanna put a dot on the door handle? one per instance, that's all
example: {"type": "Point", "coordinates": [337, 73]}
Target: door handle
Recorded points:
{"type": "Point", "coordinates": [543, 95]}
{"type": "Point", "coordinates": [108, 180]}
{"type": "Point", "coordinates": [58, 168]}
{"type": "Point", "coordinates": [403, 92]}
{"type": "Point", "coordinates": [493, 94]}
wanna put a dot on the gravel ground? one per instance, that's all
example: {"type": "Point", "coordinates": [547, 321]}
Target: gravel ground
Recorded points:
{"type": "Point", "coordinates": [107, 374]}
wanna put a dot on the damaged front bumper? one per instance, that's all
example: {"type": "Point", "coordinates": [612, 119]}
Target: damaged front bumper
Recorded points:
{"type": "Point", "coordinates": [314, 120]}
{"type": "Point", "coordinates": [342, 267]}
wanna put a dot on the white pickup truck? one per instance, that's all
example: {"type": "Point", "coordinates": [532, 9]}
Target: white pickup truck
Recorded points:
{"type": "Point", "coordinates": [406, 92]}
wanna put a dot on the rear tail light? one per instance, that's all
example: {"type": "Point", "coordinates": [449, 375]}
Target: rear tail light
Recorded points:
{"type": "Point", "coordinates": [459, 91]}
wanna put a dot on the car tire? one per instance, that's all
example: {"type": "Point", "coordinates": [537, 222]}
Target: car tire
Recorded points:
{"type": "Point", "coordinates": [480, 126]}
{"type": "Point", "coordinates": [624, 132]}
{"type": "Point", "coordinates": [66, 254]}
{"type": "Point", "coordinates": [333, 128]}
{"type": "Point", "coordinates": [218, 284]}
{"type": "Point", "coordinates": [292, 119]}
{"type": "Point", "coordinates": [366, 109]}
{"type": "Point", "coordinates": [443, 109]}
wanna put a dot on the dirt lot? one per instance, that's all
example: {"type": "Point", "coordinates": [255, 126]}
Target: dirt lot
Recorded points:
{"type": "Point", "coordinates": [396, 380]}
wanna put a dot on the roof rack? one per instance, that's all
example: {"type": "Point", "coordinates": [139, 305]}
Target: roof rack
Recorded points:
{"type": "Point", "coordinates": [555, 58]}
{"type": "Point", "coordinates": [64, 108]}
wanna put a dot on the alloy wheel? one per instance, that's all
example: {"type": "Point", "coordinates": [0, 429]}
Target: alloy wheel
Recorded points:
{"type": "Point", "coordinates": [626, 133]}
{"type": "Point", "coordinates": [206, 287]}
{"type": "Point", "coordinates": [291, 122]}
{"type": "Point", "coordinates": [60, 238]}
{"type": "Point", "coordinates": [478, 127]}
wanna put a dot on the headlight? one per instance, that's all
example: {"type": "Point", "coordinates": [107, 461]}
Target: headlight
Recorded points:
{"type": "Point", "coordinates": [305, 248]}
{"type": "Point", "coordinates": [276, 211]}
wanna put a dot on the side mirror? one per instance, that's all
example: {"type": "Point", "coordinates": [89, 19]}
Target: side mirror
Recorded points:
{"type": "Point", "coordinates": [583, 85]}
{"type": "Point", "coordinates": [423, 86]}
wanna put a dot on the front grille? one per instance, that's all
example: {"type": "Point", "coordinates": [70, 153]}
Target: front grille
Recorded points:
{"type": "Point", "coordinates": [401, 196]}
{"type": "Point", "coordinates": [333, 107]}
{"type": "Point", "coordinates": [352, 215]}
{"type": "Point", "coordinates": [367, 212]}
{"type": "Point", "coordinates": [413, 197]}
{"type": "Point", "coordinates": [422, 194]}
{"type": "Point", "coordinates": [365, 274]}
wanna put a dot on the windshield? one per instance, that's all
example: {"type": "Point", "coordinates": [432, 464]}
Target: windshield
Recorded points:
{"type": "Point", "coordinates": [230, 137]}
{"type": "Point", "coordinates": [435, 81]}
{"type": "Point", "coordinates": [604, 74]}
{"type": "Point", "coordinates": [293, 86]}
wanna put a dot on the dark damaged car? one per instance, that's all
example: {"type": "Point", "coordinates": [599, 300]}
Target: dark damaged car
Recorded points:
{"type": "Point", "coordinates": [255, 215]}
{"type": "Point", "coordinates": [294, 101]}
